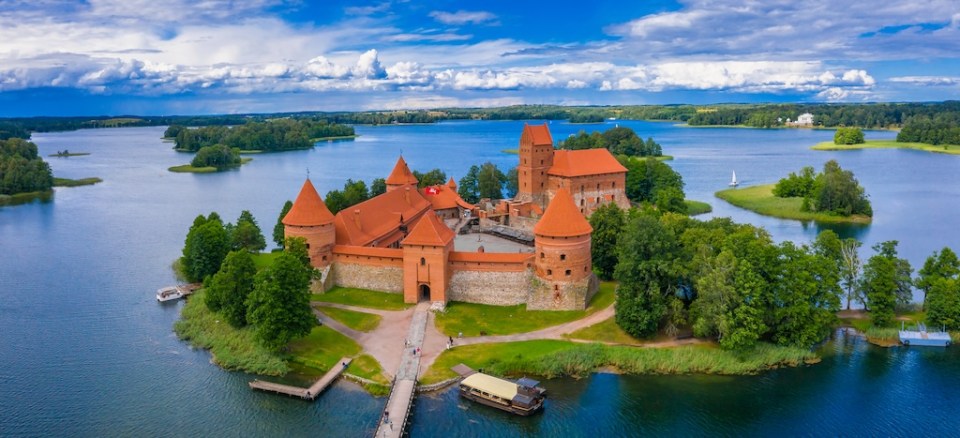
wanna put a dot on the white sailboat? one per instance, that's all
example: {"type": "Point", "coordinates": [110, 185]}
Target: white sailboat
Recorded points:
{"type": "Point", "coordinates": [733, 182]}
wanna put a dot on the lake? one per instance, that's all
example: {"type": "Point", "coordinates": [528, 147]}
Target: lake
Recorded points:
{"type": "Point", "coordinates": [87, 351]}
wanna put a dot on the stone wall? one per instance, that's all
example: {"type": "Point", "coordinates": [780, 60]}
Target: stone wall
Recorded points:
{"type": "Point", "coordinates": [550, 295]}
{"type": "Point", "coordinates": [368, 276]}
{"type": "Point", "coordinates": [490, 287]}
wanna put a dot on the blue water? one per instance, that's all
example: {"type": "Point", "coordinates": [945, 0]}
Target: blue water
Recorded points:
{"type": "Point", "coordinates": [86, 351]}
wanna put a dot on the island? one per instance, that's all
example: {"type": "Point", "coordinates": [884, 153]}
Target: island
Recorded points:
{"type": "Point", "coordinates": [888, 144]}
{"type": "Point", "coordinates": [273, 135]}
{"type": "Point", "coordinates": [24, 176]}
{"type": "Point", "coordinates": [209, 159]}
{"type": "Point", "coordinates": [833, 196]}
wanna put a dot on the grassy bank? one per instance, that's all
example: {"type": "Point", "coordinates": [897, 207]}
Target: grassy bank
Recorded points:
{"type": "Point", "coordinates": [359, 321]}
{"type": "Point", "coordinates": [562, 358]}
{"type": "Point", "coordinates": [24, 198]}
{"type": "Point", "coordinates": [605, 331]}
{"type": "Point", "coordinates": [881, 336]}
{"type": "Point", "coordinates": [696, 207]}
{"type": "Point", "coordinates": [760, 199]}
{"type": "Point", "coordinates": [67, 182]}
{"type": "Point", "coordinates": [362, 298]}
{"type": "Point", "coordinates": [887, 144]}
{"type": "Point", "coordinates": [471, 319]}
{"type": "Point", "coordinates": [187, 168]}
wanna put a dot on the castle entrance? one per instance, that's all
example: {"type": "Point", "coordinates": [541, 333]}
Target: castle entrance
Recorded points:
{"type": "Point", "coordinates": [424, 292]}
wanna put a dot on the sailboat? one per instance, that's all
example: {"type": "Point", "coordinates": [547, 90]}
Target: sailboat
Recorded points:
{"type": "Point", "coordinates": [733, 182]}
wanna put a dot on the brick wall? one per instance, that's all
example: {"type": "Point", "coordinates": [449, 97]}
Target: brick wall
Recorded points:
{"type": "Point", "coordinates": [490, 287]}
{"type": "Point", "coordinates": [549, 295]}
{"type": "Point", "coordinates": [365, 276]}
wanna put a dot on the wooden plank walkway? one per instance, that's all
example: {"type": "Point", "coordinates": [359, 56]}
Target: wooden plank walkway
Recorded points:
{"type": "Point", "coordinates": [310, 393]}
{"type": "Point", "coordinates": [394, 421]}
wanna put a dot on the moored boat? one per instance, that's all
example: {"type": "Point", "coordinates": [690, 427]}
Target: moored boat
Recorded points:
{"type": "Point", "coordinates": [522, 397]}
{"type": "Point", "coordinates": [169, 293]}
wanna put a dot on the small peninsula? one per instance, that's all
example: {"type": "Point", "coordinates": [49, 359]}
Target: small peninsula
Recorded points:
{"type": "Point", "coordinates": [888, 144]}
{"type": "Point", "coordinates": [211, 159]}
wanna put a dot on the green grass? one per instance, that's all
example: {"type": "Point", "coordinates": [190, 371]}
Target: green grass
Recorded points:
{"type": "Point", "coordinates": [551, 359]}
{"type": "Point", "coordinates": [263, 260]}
{"type": "Point", "coordinates": [470, 319]}
{"type": "Point", "coordinates": [67, 182]}
{"type": "Point", "coordinates": [605, 331]}
{"type": "Point", "coordinates": [696, 207]}
{"type": "Point", "coordinates": [760, 199]}
{"type": "Point", "coordinates": [884, 336]}
{"type": "Point", "coordinates": [363, 298]}
{"type": "Point", "coordinates": [887, 144]}
{"type": "Point", "coordinates": [359, 321]}
{"type": "Point", "coordinates": [322, 348]}
{"type": "Point", "coordinates": [232, 349]}
{"type": "Point", "coordinates": [186, 168]}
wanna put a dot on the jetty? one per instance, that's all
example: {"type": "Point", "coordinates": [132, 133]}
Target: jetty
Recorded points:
{"type": "Point", "coordinates": [394, 419]}
{"type": "Point", "coordinates": [310, 393]}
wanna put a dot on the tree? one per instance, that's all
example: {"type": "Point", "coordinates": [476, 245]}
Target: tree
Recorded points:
{"type": "Point", "coordinates": [228, 289]}
{"type": "Point", "coordinates": [944, 303]}
{"type": "Point", "coordinates": [297, 246]}
{"type": "Point", "coordinates": [279, 306]}
{"type": "Point", "coordinates": [278, 230]}
{"type": "Point", "coordinates": [490, 181]}
{"type": "Point", "coordinates": [850, 266]}
{"type": "Point", "coordinates": [838, 192]}
{"type": "Point", "coordinates": [354, 192]}
{"type": "Point", "coordinates": [646, 178]}
{"type": "Point", "coordinates": [848, 136]}
{"type": "Point", "coordinates": [434, 177]}
{"type": "Point", "coordinates": [513, 182]}
{"type": "Point", "coordinates": [246, 234]}
{"type": "Point", "coordinates": [806, 296]}
{"type": "Point", "coordinates": [607, 222]}
{"type": "Point", "coordinates": [670, 199]}
{"type": "Point", "coordinates": [796, 185]}
{"type": "Point", "coordinates": [646, 271]}
{"type": "Point", "coordinates": [219, 156]}
{"type": "Point", "coordinates": [378, 187]}
{"type": "Point", "coordinates": [939, 265]}
{"type": "Point", "coordinates": [882, 280]}
{"type": "Point", "coordinates": [468, 189]}
{"type": "Point", "coordinates": [205, 248]}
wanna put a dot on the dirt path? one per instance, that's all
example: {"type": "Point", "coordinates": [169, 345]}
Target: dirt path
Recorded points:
{"type": "Point", "coordinates": [385, 343]}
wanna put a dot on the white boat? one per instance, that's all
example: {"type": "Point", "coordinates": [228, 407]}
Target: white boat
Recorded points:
{"type": "Point", "coordinates": [169, 293]}
{"type": "Point", "coordinates": [733, 182]}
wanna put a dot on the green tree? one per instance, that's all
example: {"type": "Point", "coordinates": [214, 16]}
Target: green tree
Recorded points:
{"type": "Point", "coordinates": [205, 248]}
{"type": "Point", "coordinates": [806, 294]}
{"type": "Point", "coordinates": [881, 281]}
{"type": "Point", "coordinates": [246, 234]}
{"type": "Point", "coordinates": [279, 306]}
{"type": "Point", "coordinates": [354, 192]}
{"type": "Point", "coordinates": [850, 267]}
{"type": "Point", "coordinates": [378, 187]}
{"type": "Point", "coordinates": [278, 230]}
{"type": "Point", "coordinates": [848, 136]}
{"type": "Point", "coordinates": [469, 188]}
{"type": "Point", "coordinates": [646, 178]}
{"type": "Point", "coordinates": [670, 199]}
{"type": "Point", "coordinates": [490, 181]}
{"type": "Point", "coordinates": [513, 182]}
{"type": "Point", "coordinates": [228, 289]}
{"type": "Point", "coordinates": [435, 177]}
{"type": "Point", "coordinates": [218, 156]}
{"type": "Point", "coordinates": [838, 192]}
{"type": "Point", "coordinates": [939, 265]}
{"type": "Point", "coordinates": [607, 222]}
{"type": "Point", "coordinates": [297, 246]}
{"type": "Point", "coordinates": [944, 303]}
{"type": "Point", "coordinates": [646, 271]}
{"type": "Point", "coordinates": [797, 185]}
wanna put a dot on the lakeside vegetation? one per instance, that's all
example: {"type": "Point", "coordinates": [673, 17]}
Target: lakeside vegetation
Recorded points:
{"type": "Point", "coordinates": [554, 358]}
{"type": "Point", "coordinates": [268, 136]}
{"type": "Point", "coordinates": [22, 170]}
{"type": "Point", "coordinates": [67, 182]}
{"type": "Point", "coordinates": [760, 199]}
{"type": "Point", "coordinates": [362, 298]}
{"type": "Point", "coordinates": [190, 168]}
{"type": "Point", "coordinates": [887, 144]}
{"type": "Point", "coordinates": [695, 208]}
{"type": "Point", "coordinates": [473, 319]}
{"type": "Point", "coordinates": [618, 140]}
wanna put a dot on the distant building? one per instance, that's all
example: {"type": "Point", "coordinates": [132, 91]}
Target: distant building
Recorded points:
{"type": "Point", "coordinates": [805, 119]}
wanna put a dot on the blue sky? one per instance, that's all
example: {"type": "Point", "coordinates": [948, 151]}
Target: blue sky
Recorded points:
{"type": "Point", "coordinates": [226, 56]}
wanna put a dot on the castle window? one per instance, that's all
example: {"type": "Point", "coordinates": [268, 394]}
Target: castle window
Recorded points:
{"type": "Point", "coordinates": [542, 255]}
{"type": "Point", "coordinates": [568, 272]}
{"type": "Point", "coordinates": [541, 162]}
{"type": "Point", "coordinates": [563, 256]}
{"type": "Point", "coordinates": [598, 199]}
{"type": "Point", "coordinates": [308, 246]}
{"type": "Point", "coordinates": [549, 272]}
{"type": "Point", "coordinates": [324, 258]}
{"type": "Point", "coordinates": [584, 269]}
{"type": "Point", "coordinates": [598, 186]}
{"type": "Point", "coordinates": [423, 261]}
{"type": "Point", "coordinates": [581, 204]}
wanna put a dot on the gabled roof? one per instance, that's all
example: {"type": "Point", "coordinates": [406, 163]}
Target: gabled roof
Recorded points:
{"type": "Point", "coordinates": [401, 174]}
{"type": "Point", "coordinates": [308, 209]}
{"type": "Point", "coordinates": [536, 135]}
{"type": "Point", "coordinates": [562, 218]}
{"type": "Point", "coordinates": [584, 162]}
{"type": "Point", "coordinates": [445, 197]}
{"type": "Point", "coordinates": [452, 184]}
{"type": "Point", "coordinates": [378, 216]}
{"type": "Point", "coordinates": [429, 231]}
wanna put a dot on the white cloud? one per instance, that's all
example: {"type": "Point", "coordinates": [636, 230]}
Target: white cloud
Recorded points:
{"type": "Point", "coordinates": [368, 66]}
{"type": "Point", "coordinates": [464, 17]}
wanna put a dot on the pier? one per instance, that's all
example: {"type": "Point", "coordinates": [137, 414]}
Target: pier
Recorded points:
{"type": "Point", "coordinates": [310, 393]}
{"type": "Point", "coordinates": [400, 403]}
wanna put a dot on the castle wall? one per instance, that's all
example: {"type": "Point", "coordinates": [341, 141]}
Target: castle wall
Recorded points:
{"type": "Point", "coordinates": [590, 192]}
{"type": "Point", "coordinates": [490, 278]}
{"type": "Point", "coordinates": [561, 295]}
{"type": "Point", "coordinates": [379, 269]}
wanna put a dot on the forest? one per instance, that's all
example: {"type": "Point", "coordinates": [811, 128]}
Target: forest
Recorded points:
{"type": "Point", "coordinates": [21, 168]}
{"type": "Point", "coordinates": [273, 135]}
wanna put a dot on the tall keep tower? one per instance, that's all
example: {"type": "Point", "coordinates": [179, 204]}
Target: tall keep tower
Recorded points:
{"type": "Point", "coordinates": [310, 219]}
{"type": "Point", "coordinates": [563, 262]}
{"type": "Point", "coordinates": [536, 158]}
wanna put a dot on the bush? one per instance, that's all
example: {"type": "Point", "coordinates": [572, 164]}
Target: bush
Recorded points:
{"type": "Point", "coordinates": [848, 136]}
{"type": "Point", "coordinates": [219, 156]}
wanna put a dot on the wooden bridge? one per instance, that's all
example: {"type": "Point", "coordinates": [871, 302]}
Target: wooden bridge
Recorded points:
{"type": "Point", "coordinates": [310, 393]}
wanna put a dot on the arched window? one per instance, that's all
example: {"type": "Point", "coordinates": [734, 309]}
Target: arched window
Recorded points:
{"type": "Point", "coordinates": [542, 255]}
{"type": "Point", "coordinates": [549, 272]}
{"type": "Point", "coordinates": [568, 272]}
{"type": "Point", "coordinates": [563, 256]}
{"type": "Point", "coordinates": [423, 261]}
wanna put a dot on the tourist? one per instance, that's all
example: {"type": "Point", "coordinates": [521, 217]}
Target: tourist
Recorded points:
{"type": "Point", "coordinates": [451, 339]}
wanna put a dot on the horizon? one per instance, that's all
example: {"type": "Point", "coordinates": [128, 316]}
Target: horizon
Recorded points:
{"type": "Point", "coordinates": [111, 57]}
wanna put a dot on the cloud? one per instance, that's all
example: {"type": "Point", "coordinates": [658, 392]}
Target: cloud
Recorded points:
{"type": "Point", "coordinates": [464, 17]}
{"type": "Point", "coordinates": [367, 10]}
{"type": "Point", "coordinates": [928, 81]}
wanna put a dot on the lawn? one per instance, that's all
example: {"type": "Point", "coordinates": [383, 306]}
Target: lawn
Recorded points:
{"type": "Point", "coordinates": [696, 207]}
{"type": "Point", "coordinates": [605, 331]}
{"type": "Point", "coordinates": [263, 260]}
{"type": "Point", "coordinates": [470, 319]}
{"type": "Point", "coordinates": [887, 144]}
{"type": "Point", "coordinates": [550, 359]}
{"type": "Point", "coordinates": [322, 349]}
{"type": "Point", "coordinates": [760, 199]}
{"type": "Point", "coordinates": [359, 321]}
{"type": "Point", "coordinates": [362, 298]}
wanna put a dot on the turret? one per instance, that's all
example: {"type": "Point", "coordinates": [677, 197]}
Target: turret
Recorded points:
{"type": "Point", "coordinates": [401, 176]}
{"type": "Point", "coordinates": [562, 260]}
{"type": "Point", "coordinates": [536, 158]}
{"type": "Point", "coordinates": [310, 219]}
{"type": "Point", "coordinates": [426, 255]}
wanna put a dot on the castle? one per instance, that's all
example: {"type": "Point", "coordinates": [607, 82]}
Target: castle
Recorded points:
{"type": "Point", "coordinates": [399, 242]}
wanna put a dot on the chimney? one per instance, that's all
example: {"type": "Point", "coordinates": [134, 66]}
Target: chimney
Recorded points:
{"type": "Point", "coordinates": [356, 218]}
{"type": "Point", "coordinates": [406, 194]}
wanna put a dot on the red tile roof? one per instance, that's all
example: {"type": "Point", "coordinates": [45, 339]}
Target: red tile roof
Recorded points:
{"type": "Point", "coordinates": [378, 216]}
{"type": "Point", "coordinates": [562, 218]}
{"type": "Point", "coordinates": [401, 174]}
{"type": "Point", "coordinates": [429, 231]}
{"type": "Point", "coordinates": [536, 135]}
{"type": "Point", "coordinates": [308, 209]}
{"type": "Point", "coordinates": [444, 198]}
{"type": "Point", "coordinates": [584, 162]}
{"type": "Point", "coordinates": [452, 184]}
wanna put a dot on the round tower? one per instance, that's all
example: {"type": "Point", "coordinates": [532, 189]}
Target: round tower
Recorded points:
{"type": "Point", "coordinates": [562, 259]}
{"type": "Point", "coordinates": [401, 176]}
{"type": "Point", "coordinates": [310, 219]}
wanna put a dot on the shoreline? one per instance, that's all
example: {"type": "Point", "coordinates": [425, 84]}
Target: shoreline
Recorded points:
{"type": "Point", "coordinates": [759, 199]}
{"type": "Point", "coordinates": [888, 144]}
{"type": "Point", "coordinates": [188, 168]}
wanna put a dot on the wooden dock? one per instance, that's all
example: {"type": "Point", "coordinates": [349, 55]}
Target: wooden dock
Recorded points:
{"type": "Point", "coordinates": [310, 393]}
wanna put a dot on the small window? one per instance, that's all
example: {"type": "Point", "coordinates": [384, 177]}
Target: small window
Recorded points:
{"type": "Point", "coordinates": [308, 246]}
{"type": "Point", "coordinates": [614, 184]}
{"type": "Point", "coordinates": [568, 272]}
{"type": "Point", "coordinates": [423, 261]}
{"type": "Point", "coordinates": [581, 203]}
{"type": "Point", "coordinates": [598, 186]}
{"type": "Point", "coordinates": [542, 255]}
{"type": "Point", "coordinates": [324, 258]}
{"type": "Point", "coordinates": [563, 256]}
{"type": "Point", "coordinates": [598, 200]}
{"type": "Point", "coordinates": [584, 269]}
{"type": "Point", "coordinates": [549, 272]}
{"type": "Point", "coordinates": [541, 162]}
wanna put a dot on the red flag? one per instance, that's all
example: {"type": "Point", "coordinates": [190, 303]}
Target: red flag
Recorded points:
{"type": "Point", "coordinates": [432, 191]}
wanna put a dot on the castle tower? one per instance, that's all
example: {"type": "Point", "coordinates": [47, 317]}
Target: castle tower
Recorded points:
{"type": "Point", "coordinates": [400, 176]}
{"type": "Point", "coordinates": [310, 219]}
{"type": "Point", "coordinates": [426, 256]}
{"type": "Point", "coordinates": [536, 158]}
{"type": "Point", "coordinates": [562, 260]}
{"type": "Point", "coordinates": [452, 184]}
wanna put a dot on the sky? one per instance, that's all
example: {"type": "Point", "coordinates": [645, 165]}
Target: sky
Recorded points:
{"type": "Point", "coordinates": [154, 57]}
